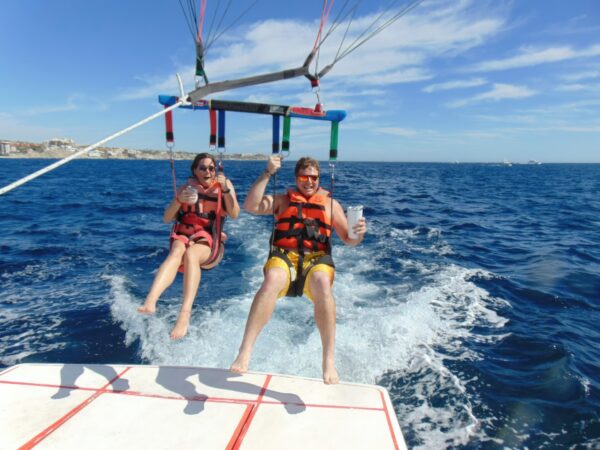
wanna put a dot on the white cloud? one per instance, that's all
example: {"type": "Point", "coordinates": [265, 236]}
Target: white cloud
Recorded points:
{"type": "Point", "coordinates": [456, 84]}
{"type": "Point", "coordinates": [481, 134]}
{"type": "Point", "coordinates": [571, 87]}
{"type": "Point", "coordinates": [581, 129]}
{"type": "Point", "coordinates": [74, 102]}
{"type": "Point", "coordinates": [396, 131]}
{"type": "Point", "coordinates": [400, 54]}
{"type": "Point", "coordinates": [397, 76]}
{"type": "Point", "coordinates": [532, 57]}
{"type": "Point", "coordinates": [13, 128]}
{"type": "Point", "coordinates": [590, 74]}
{"type": "Point", "coordinates": [498, 92]}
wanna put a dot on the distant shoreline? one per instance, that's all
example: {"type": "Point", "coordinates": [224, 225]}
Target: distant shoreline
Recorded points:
{"type": "Point", "coordinates": [63, 148]}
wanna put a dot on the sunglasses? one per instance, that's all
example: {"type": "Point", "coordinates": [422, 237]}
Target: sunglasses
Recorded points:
{"type": "Point", "coordinates": [206, 168]}
{"type": "Point", "coordinates": [305, 178]}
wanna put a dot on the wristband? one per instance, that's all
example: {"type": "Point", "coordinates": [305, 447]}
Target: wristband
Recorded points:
{"type": "Point", "coordinates": [268, 173]}
{"type": "Point", "coordinates": [226, 192]}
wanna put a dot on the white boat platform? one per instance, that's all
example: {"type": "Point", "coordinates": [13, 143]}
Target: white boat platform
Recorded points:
{"type": "Point", "coordinates": [75, 406]}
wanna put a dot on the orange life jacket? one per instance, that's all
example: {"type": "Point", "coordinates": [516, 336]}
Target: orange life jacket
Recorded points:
{"type": "Point", "coordinates": [202, 220]}
{"type": "Point", "coordinates": [305, 225]}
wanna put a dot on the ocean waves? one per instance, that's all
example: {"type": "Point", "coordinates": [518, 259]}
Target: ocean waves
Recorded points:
{"type": "Point", "coordinates": [472, 298]}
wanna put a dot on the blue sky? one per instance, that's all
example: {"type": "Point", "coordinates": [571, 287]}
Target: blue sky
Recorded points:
{"type": "Point", "coordinates": [454, 80]}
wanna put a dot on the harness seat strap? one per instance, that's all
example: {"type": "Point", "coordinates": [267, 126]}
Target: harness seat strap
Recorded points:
{"type": "Point", "coordinates": [169, 127]}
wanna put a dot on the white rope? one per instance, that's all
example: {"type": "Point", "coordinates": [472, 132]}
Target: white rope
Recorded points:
{"type": "Point", "coordinates": [53, 166]}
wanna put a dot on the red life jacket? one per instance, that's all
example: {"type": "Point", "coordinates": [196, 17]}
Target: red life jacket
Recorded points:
{"type": "Point", "coordinates": [202, 220]}
{"type": "Point", "coordinates": [305, 225]}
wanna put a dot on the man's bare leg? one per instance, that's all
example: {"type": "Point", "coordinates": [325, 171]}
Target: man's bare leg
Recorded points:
{"type": "Point", "coordinates": [260, 313]}
{"type": "Point", "coordinates": [194, 256]}
{"type": "Point", "coordinates": [164, 277]}
{"type": "Point", "coordinates": [320, 287]}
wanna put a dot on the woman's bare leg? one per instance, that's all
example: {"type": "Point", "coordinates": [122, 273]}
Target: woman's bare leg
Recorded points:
{"type": "Point", "coordinates": [164, 277]}
{"type": "Point", "coordinates": [194, 256]}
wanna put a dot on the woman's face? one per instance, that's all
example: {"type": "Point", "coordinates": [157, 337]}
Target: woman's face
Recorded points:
{"type": "Point", "coordinates": [205, 172]}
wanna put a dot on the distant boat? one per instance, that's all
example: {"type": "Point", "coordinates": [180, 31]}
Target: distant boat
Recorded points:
{"type": "Point", "coordinates": [533, 161]}
{"type": "Point", "coordinates": [507, 163]}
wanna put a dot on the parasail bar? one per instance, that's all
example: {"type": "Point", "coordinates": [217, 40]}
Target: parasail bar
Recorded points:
{"type": "Point", "coordinates": [334, 115]}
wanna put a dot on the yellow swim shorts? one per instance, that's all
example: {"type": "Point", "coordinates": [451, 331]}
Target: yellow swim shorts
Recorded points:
{"type": "Point", "coordinates": [307, 265]}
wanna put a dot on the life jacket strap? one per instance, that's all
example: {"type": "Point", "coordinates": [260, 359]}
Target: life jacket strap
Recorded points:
{"type": "Point", "coordinates": [296, 287]}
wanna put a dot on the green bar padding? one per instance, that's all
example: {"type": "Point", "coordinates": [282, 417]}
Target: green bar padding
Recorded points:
{"type": "Point", "coordinates": [333, 148]}
{"type": "Point", "coordinates": [287, 125]}
{"type": "Point", "coordinates": [199, 67]}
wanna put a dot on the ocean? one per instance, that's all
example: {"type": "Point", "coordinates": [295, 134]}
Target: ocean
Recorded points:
{"type": "Point", "coordinates": [474, 297]}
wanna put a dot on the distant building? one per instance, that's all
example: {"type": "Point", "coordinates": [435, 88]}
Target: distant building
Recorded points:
{"type": "Point", "coordinates": [6, 148]}
{"type": "Point", "coordinates": [59, 144]}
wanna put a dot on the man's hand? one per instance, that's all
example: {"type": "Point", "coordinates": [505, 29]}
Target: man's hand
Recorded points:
{"type": "Point", "coordinates": [273, 164]}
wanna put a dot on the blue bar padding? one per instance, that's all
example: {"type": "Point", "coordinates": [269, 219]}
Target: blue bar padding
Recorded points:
{"type": "Point", "coordinates": [167, 100]}
{"type": "Point", "coordinates": [275, 134]}
{"type": "Point", "coordinates": [221, 130]}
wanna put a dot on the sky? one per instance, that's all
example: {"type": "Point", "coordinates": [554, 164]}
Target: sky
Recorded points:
{"type": "Point", "coordinates": [451, 81]}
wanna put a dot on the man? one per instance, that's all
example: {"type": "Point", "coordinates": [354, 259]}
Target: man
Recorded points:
{"type": "Point", "coordinates": [300, 259]}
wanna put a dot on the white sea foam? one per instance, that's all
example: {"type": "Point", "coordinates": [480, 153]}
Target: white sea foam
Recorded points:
{"type": "Point", "coordinates": [407, 328]}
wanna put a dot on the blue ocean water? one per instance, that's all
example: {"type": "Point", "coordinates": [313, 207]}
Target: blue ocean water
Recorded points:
{"type": "Point", "coordinates": [474, 297]}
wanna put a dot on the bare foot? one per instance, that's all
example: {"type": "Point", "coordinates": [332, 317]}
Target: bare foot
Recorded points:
{"type": "Point", "coordinates": [146, 309]}
{"type": "Point", "coordinates": [181, 326]}
{"type": "Point", "coordinates": [330, 375]}
{"type": "Point", "coordinates": [240, 365]}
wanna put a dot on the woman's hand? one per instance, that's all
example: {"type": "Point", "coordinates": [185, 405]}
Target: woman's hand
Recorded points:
{"type": "Point", "coordinates": [188, 194]}
{"type": "Point", "coordinates": [222, 180]}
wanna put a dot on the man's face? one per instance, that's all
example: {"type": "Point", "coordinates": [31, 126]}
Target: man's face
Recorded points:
{"type": "Point", "coordinates": [307, 181]}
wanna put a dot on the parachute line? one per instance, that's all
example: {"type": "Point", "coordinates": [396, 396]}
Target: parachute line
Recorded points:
{"type": "Point", "coordinates": [190, 18]}
{"type": "Point", "coordinates": [233, 22]}
{"type": "Point", "coordinates": [210, 38]}
{"type": "Point", "coordinates": [327, 5]}
{"type": "Point", "coordinates": [358, 42]}
{"type": "Point", "coordinates": [201, 22]}
{"type": "Point", "coordinates": [347, 16]}
{"type": "Point", "coordinates": [339, 18]}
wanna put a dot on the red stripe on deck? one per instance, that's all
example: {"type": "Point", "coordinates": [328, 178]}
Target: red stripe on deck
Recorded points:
{"type": "Point", "coordinates": [246, 420]}
{"type": "Point", "coordinates": [238, 429]}
{"type": "Point", "coordinates": [10, 369]}
{"type": "Point", "coordinates": [323, 405]}
{"type": "Point", "coordinates": [389, 420]}
{"type": "Point", "coordinates": [199, 398]}
{"type": "Point", "coordinates": [52, 428]}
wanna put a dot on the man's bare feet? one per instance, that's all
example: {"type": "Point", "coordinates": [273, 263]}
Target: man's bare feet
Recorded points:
{"type": "Point", "coordinates": [146, 309]}
{"type": "Point", "coordinates": [181, 326]}
{"type": "Point", "coordinates": [330, 375]}
{"type": "Point", "coordinates": [240, 365]}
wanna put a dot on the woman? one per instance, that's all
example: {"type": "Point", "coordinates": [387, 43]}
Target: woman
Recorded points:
{"type": "Point", "coordinates": [199, 209]}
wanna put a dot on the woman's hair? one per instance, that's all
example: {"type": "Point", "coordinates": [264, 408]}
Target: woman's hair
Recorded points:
{"type": "Point", "coordinates": [305, 162]}
{"type": "Point", "coordinates": [199, 157]}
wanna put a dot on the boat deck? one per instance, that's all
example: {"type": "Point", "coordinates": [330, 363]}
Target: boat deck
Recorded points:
{"type": "Point", "coordinates": [72, 406]}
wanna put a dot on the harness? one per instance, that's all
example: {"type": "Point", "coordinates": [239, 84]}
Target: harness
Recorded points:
{"type": "Point", "coordinates": [304, 227]}
{"type": "Point", "coordinates": [202, 221]}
